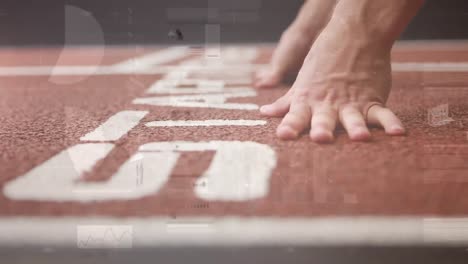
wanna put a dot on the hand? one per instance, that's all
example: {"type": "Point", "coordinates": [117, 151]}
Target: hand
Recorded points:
{"type": "Point", "coordinates": [345, 77]}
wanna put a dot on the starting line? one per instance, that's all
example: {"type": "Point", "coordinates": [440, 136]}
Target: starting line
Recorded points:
{"type": "Point", "coordinates": [156, 63]}
{"type": "Point", "coordinates": [111, 70]}
{"type": "Point", "coordinates": [108, 232]}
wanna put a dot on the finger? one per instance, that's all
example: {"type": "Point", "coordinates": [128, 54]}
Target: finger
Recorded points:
{"type": "Point", "coordinates": [267, 78]}
{"type": "Point", "coordinates": [353, 121]}
{"type": "Point", "coordinates": [277, 109]}
{"type": "Point", "coordinates": [296, 121]}
{"type": "Point", "coordinates": [384, 117]}
{"type": "Point", "coordinates": [323, 124]}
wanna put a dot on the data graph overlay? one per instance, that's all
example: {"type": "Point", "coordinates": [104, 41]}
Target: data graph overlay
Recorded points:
{"type": "Point", "coordinates": [104, 236]}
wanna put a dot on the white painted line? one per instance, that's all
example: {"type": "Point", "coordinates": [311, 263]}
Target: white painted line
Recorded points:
{"type": "Point", "coordinates": [155, 58]}
{"type": "Point", "coordinates": [170, 87]}
{"type": "Point", "coordinates": [111, 70]}
{"type": "Point", "coordinates": [239, 54]}
{"type": "Point", "coordinates": [152, 232]}
{"type": "Point", "coordinates": [141, 175]}
{"type": "Point", "coordinates": [53, 179]}
{"type": "Point", "coordinates": [152, 63]}
{"type": "Point", "coordinates": [206, 123]}
{"type": "Point", "coordinates": [189, 227]}
{"type": "Point", "coordinates": [199, 83]}
{"type": "Point", "coordinates": [211, 84]}
{"type": "Point", "coordinates": [55, 70]}
{"type": "Point", "coordinates": [58, 179]}
{"type": "Point", "coordinates": [178, 74]}
{"type": "Point", "coordinates": [239, 171]}
{"type": "Point", "coordinates": [430, 67]}
{"type": "Point", "coordinates": [168, 84]}
{"type": "Point", "coordinates": [200, 101]}
{"type": "Point", "coordinates": [116, 126]}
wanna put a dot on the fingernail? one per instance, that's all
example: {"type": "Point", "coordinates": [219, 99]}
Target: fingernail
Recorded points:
{"type": "Point", "coordinates": [322, 136]}
{"type": "Point", "coordinates": [397, 129]}
{"type": "Point", "coordinates": [361, 134]}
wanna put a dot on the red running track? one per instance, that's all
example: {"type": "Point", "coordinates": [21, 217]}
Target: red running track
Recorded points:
{"type": "Point", "coordinates": [422, 176]}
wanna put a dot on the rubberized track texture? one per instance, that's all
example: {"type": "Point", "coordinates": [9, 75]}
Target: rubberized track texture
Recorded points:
{"type": "Point", "coordinates": [134, 147]}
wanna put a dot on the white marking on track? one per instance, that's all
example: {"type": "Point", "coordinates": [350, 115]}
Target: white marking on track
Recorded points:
{"type": "Point", "coordinates": [55, 70]}
{"type": "Point", "coordinates": [116, 126]}
{"type": "Point", "coordinates": [146, 64]}
{"type": "Point", "coordinates": [206, 123]}
{"type": "Point", "coordinates": [152, 232]}
{"type": "Point", "coordinates": [164, 88]}
{"type": "Point", "coordinates": [143, 174]}
{"type": "Point", "coordinates": [235, 54]}
{"type": "Point", "coordinates": [211, 84]}
{"type": "Point", "coordinates": [155, 58]}
{"type": "Point", "coordinates": [190, 228]}
{"type": "Point", "coordinates": [141, 65]}
{"type": "Point", "coordinates": [53, 179]}
{"type": "Point", "coordinates": [125, 67]}
{"type": "Point", "coordinates": [239, 171]}
{"type": "Point", "coordinates": [111, 70]}
{"type": "Point", "coordinates": [177, 74]}
{"type": "Point", "coordinates": [201, 101]}
{"type": "Point", "coordinates": [430, 67]}
{"type": "Point", "coordinates": [169, 84]}
{"type": "Point", "coordinates": [58, 179]}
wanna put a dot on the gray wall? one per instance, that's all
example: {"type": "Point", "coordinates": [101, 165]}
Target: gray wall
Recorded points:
{"type": "Point", "coordinates": [55, 22]}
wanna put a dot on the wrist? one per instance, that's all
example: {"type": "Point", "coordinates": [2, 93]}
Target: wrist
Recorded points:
{"type": "Point", "coordinates": [379, 21]}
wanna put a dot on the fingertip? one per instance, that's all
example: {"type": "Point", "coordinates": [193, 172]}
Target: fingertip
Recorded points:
{"type": "Point", "coordinates": [266, 110]}
{"type": "Point", "coordinates": [321, 136]}
{"type": "Point", "coordinates": [286, 133]}
{"type": "Point", "coordinates": [388, 120]}
{"type": "Point", "coordinates": [276, 109]}
{"type": "Point", "coordinates": [264, 83]}
{"type": "Point", "coordinates": [360, 135]}
{"type": "Point", "coordinates": [266, 79]}
{"type": "Point", "coordinates": [396, 131]}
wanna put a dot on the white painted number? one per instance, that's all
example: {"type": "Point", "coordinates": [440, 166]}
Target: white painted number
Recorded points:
{"type": "Point", "coordinates": [239, 171]}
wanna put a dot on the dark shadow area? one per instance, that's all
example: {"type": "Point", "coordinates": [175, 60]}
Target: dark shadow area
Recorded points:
{"type": "Point", "coordinates": [254, 255]}
{"type": "Point", "coordinates": [68, 22]}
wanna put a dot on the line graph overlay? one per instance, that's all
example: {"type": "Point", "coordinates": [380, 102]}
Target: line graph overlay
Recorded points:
{"type": "Point", "coordinates": [104, 236]}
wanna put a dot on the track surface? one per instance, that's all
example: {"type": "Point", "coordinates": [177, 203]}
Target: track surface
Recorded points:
{"type": "Point", "coordinates": [363, 192]}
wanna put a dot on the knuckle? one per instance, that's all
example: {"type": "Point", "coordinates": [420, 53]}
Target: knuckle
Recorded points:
{"type": "Point", "coordinates": [332, 97]}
